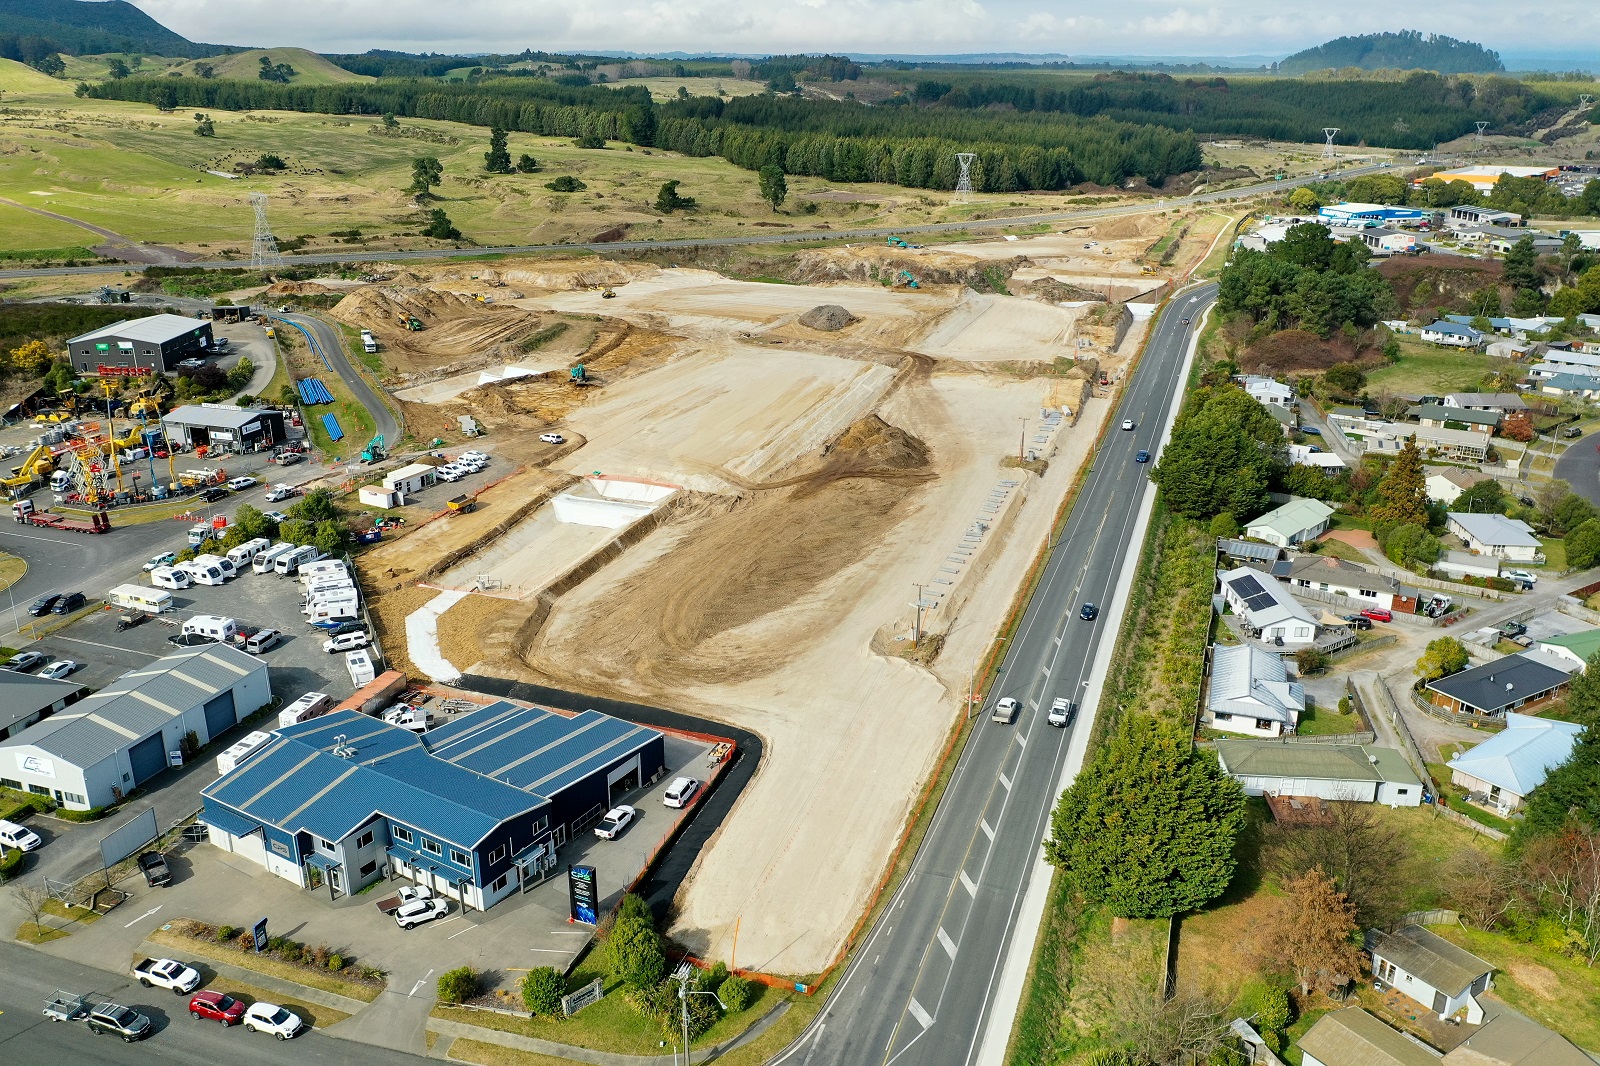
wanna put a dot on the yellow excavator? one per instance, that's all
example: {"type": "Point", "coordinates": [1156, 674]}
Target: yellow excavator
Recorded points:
{"type": "Point", "coordinates": [36, 467]}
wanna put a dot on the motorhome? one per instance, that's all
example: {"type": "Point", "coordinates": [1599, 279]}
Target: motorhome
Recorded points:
{"type": "Point", "coordinates": [291, 562]}
{"type": "Point", "coordinates": [245, 553]}
{"type": "Point", "coordinates": [311, 705]}
{"type": "Point", "coordinates": [170, 577]}
{"type": "Point", "coordinates": [214, 626]}
{"type": "Point", "coordinates": [263, 562]}
{"type": "Point", "coordinates": [139, 598]}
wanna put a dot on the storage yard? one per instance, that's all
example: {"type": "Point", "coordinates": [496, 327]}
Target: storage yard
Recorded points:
{"type": "Point", "coordinates": [756, 484]}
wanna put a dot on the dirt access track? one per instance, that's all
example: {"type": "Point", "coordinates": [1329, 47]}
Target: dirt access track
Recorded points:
{"type": "Point", "coordinates": [775, 499]}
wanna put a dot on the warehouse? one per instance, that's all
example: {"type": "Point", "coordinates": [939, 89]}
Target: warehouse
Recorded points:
{"type": "Point", "coordinates": [93, 752]}
{"type": "Point", "coordinates": [473, 810]}
{"type": "Point", "coordinates": [159, 342]}
{"type": "Point", "coordinates": [223, 427]}
{"type": "Point", "coordinates": [26, 699]}
{"type": "Point", "coordinates": [1369, 214]}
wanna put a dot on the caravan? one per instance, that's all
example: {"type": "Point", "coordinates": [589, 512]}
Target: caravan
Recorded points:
{"type": "Point", "coordinates": [201, 573]}
{"type": "Point", "coordinates": [245, 554]}
{"type": "Point", "coordinates": [229, 570]}
{"type": "Point", "coordinates": [332, 615]}
{"type": "Point", "coordinates": [311, 705]}
{"type": "Point", "coordinates": [220, 629]}
{"type": "Point", "coordinates": [264, 561]}
{"type": "Point", "coordinates": [291, 562]}
{"type": "Point", "coordinates": [139, 598]}
{"type": "Point", "coordinates": [322, 567]}
{"type": "Point", "coordinates": [170, 577]}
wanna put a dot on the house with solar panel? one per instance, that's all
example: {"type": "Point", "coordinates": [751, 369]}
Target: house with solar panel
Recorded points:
{"type": "Point", "coordinates": [1267, 609]}
{"type": "Point", "coordinates": [473, 810]}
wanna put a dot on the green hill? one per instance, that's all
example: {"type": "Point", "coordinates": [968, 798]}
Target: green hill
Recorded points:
{"type": "Point", "coordinates": [79, 27]}
{"type": "Point", "coordinates": [1406, 50]}
{"type": "Point", "coordinates": [309, 68]}
{"type": "Point", "coordinates": [17, 78]}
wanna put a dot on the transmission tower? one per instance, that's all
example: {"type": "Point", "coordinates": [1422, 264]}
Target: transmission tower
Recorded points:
{"type": "Point", "coordinates": [1478, 137]}
{"type": "Point", "coordinates": [1329, 132]}
{"type": "Point", "coordinates": [264, 252]}
{"type": "Point", "coordinates": [1585, 99]}
{"type": "Point", "coordinates": [964, 181]}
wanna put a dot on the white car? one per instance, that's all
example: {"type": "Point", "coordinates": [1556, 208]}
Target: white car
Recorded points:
{"type": "Point", "coordinates": [16, 836]}
{"type": "Point", "coordinates": [59, 669]}
{"type": "Point", "coordinates": [680, 792]}
{"type": "Point", "coordinates": [420, 910]}
{"type": "Point", "coordinates": [448, 473]}
{"type": "Point", "coordinates": [280, 492]}
{"type": "Point", "coordinates": [552, 438]}
{"type": "Point", "coordinates": [271, 1018]}
{"type": "Point", "coordinates": [1060, 712]}
{"type": "Point", "coordinates": [277, 516]}
{"type": "Point", "coordinates": [1127, 423]}
{"type": "Point", "coordinates": [616, 820]}
{"type": "Point", "coordinates": [164, 559]}
{"type": "Point", "coordinates": [476, 456]}
{"type": "Point", "coordinates": [239, 484]}
{"type": "Point", "coordinates": [1522, 575]}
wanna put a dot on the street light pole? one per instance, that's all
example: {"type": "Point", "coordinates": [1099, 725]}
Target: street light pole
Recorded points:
{"type": "Point", "coordinates": [1022, 439]}
{"type": "Point", "coordinates": [684, 992]}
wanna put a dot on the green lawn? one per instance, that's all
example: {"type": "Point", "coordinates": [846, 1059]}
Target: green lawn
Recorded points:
{"type": "Point", "coordinates": [1424, 369]}
{"type": "Point", "coordinates": [1457, 798]}
{"type": "Point", "coordinates": [24, 229]}
{"type": "Point", "coordinates": [1555, 553]}
{"type": "Point", "coordinates": [1327, 722]}
{"type": "Point", "coordinates": [1558, 991]}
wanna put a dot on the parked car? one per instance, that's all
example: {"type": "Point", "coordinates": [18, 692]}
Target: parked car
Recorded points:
{"type": "Point", "coordinates": [24, 661]}
{"type": "Point", "coordinates": [552, 438]}
{"type": "Point", "coordinates": [680, 792]}
{"type": "Point", "coordinates": [191, 364]}
{"type": "Point", "coordinates": [164, 559]}
{"type": "Point", "coordinates": [271, 1018]}
{"type": "Point", "coordinates": [1060, 712]}
{"type": "Point", "coordinates": [421, 910]}
{"type": "Point", "coordinates": [261, 640]}
{"type": "Point", "coordinates": [287, 458]}
{"type": "Point", "coordinates": [1127, 423]}
{"type": "Point", "coordinates": [17, 836]}
{"type": "Point", "coordinates": [119, 1021]}
{"type": "Point", "coordinates": [1088, 612]}
{"type": "Point", "coordinates": [167, 973]}
{"type": "Point", "coordinates": [216, 1007]}
{"type": "Point", "coordinates": [239, 484]}
{"type": "Point", "coordinates": [1377, 614]}
{"type": "Point", "coordinates": [218, 343]}
{"type": "Point", "coordinates": [616, 820]}
{"type": "Point", "coordinates": [1523, 575]}
{"type": "Point", "coordinates": [1513, 629]}
{"type": "Point", "coordinates": [43, 604]}
{"type": "Point", "coordinates": [277, 516]}
{"type": "Point", "coordinates": [72, 601]}
{"type": "Point", "coordinates": [154, 866]}
{"type": "Point", "coordinates": [1142, 457]}
{"type": "Point", "coordinates": [1358, 622]}
{"type": "Point", "coordinates": [1005, 712]}
{"type": "Point", "coordinates": [448, 473]}
{"type": "Point", "coordinates": [346, 641]}
{"type": "Point", "coordinates": [354, 625]}
{"type": "Point", "coordinates": [482, 457]}
{"type": "Point", "coordinates": [1572, 432]}
{"type": "Point", "coordinates": [60, 670]}
{"type": "Point", "coordinates": [1311, 431]}
{"type": "Point", "coordinates": [214, 493]}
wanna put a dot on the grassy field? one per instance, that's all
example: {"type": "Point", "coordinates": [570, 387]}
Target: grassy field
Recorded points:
{"type": "Point", "coordinates": [1560, 992]}
{"type": "Point", "coordinates": [1327, 722]}
{"type": "Point", "coordinates": [1555, 553]}
{"type": "Point", "coordinates": [309, 68]}
{"type": "Point", "coordinates": [1426, 370]}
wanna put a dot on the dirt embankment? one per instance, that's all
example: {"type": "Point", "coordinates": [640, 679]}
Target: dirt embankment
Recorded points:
{"type": "Point", "coordinates": [1296, 350]}
{"type": "Point", "coordinates": [1426, 282]}
{"type": "Point", "coordinates": [455, 325]}
{"type": "Point", "coordinates": [695, 615]}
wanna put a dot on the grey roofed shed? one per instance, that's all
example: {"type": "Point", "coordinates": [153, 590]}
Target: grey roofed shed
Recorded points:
{"type": "Point", "coordinates": [156, 329]}
{"type": "Point", "coordinates": [1430, 957]}
{"type": "Point", "coordinates": [1352, 1037]}
{"type": "Point", "coordinates": [24, 695]}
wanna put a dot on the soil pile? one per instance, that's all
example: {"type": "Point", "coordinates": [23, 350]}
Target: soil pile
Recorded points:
{"type": "Point", "coordinates": [618, 350]}
{"type": "Point", "coordinates": [454, 325]}
{"type": "Point", "coordinates": [829, 318]}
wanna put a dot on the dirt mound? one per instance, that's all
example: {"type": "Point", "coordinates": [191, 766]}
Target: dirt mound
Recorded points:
{"type": "Point", "coordinates": [1429, 281]}
{"type": "Point", "coordinates": [619, 350]}
{"type": "Point", "coordinates": [300, 288]}
{"type": "Point", "coordinates": [828, 318]}
{"type": "Point", "coordinates": [1294, 350]}
{"type": "Point", "coordinates": [456, 325]}
{"type": "Point", "coordinates": [1124, 229]}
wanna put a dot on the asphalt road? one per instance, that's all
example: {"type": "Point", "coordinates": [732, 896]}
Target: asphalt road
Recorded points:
{"type": "Point", "coordinates": [750, 239]}
{"type": "Point", "coordinates": [920, 987]}
{"type": "Point", "coordinates": [1579, 466]}
{"type": "Point", "coordinates": [332, 344]}
{"type": "Point", "coordinates": [26, 1036]}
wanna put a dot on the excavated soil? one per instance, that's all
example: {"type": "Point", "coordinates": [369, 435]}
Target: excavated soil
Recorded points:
{"type": "Point", "coordinates": [828, 318]}
{"type": "Point", "coordinates": [455, 325]}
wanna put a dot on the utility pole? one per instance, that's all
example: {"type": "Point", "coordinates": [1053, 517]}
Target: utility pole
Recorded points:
{"type": "Point", "coordinates": [1022, 439]}
{"type": "Point", "coordinates": [916, 625]}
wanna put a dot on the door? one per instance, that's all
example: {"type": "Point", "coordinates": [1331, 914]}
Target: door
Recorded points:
{"type": "Point", "coordinates": [623, 779]}
{"type": "Point", "coordinates": [147, 759]}
{"type": "Point", "coordinates": [220, 715]}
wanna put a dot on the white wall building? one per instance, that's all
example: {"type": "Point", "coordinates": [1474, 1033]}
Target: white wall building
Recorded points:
{"type": "Point", "coordinates": [1497, 535]}
{"type": "Point", "coordinates": [1267, 609]}
{"type": "Point", "coordinates": [1251, 692]}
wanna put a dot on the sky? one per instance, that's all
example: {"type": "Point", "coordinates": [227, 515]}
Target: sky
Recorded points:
{"type": "Point", "coordinates": [1129, 27]}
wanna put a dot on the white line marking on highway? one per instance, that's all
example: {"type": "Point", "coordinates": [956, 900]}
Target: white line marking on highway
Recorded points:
{"type": "Point", "coordinates": [946, 943]}
{"type": "Point", "coordinates": [985, 827]}
{"type": "Point", "coordinates": [1006, 781]}
{"type": "Point", "coordinates": [551, 951]}
{"type": "Point", "coordinates": [966, 883]}
{"type": "Point", "coordinates": [918, 1013]}
{"type": "Point", "coordinates": [1022, 740]}
{"type": "Point", "coordinates": [143, 916]}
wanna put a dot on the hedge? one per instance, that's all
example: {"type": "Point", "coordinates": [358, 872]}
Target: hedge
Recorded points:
{"type": "Point", "coordinates": [10, 864]}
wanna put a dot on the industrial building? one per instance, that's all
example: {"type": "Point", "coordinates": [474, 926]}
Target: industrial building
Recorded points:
{"type": "Point", "coordinates": [1484, 178]}
{"type": "Point", "coordinates": [156, 343]}
{"type": "Point", "coordinates": [223, 427]}
{"type": "Point", "coordinates": [1370, 214]}
{"type": "Point", "coordinates": [93, 752]}
{"type": "Point", "coordinates": [474, 809]}
{"type": "Point", "coordinates": [26, 699]}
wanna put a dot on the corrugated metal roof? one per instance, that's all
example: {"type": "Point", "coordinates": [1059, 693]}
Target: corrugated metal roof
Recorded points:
{"type": "Point", "coordinates": [1518, 757]}
{"type": "Point", "coordinates": [1317, 762]}
{"type": "Point", "coordinates": [156, 329]}
{"type": "Point", "coordinates": [1352, 1037]}
{"type": "Point", "coordinates": [1246, 680]}
{"type": "Point", "coordinates": [1430, 957]}
{"type": "Point", "coordinates": [212, 415]}
{"type": "Point", "coordinates": [1293, 518]}
{"type": "Point", "coordinates": [533, 748]}
{"type": "Point", "coordinates": [139, 703]}
{"type": "Point", "coordinates": [24, 694]}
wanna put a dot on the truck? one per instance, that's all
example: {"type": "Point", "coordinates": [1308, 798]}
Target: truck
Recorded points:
{"type": "Point", "coordinates": [408, 894]}
{"type": "Point", "coordinates": [25, 512]}
{"type": "Point", "coordinates": [369, 343]}
{"type": "Point", "coordinates": [157, 873]}
{"type": "Point", "coordinates": [167, 973]}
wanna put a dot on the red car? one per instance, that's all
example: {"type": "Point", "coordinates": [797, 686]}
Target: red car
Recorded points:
{"type": "Point", "coordinates": [1377, 614]}
{"type": "Point", "coordinates": [216, 1007]}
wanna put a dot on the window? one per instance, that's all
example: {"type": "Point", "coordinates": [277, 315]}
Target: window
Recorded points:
{"type": "Point", "coordinates": [498, 853]}
{"type": "Point", "coordinates": [500, 882]}
{"type": "Point", "coordinates": [368, 868]}
{"type": "Point", "coordinates": [364, 839]}
{"type": "Point", "coordinates": [324, 845]}
{"type": "Point", "coordinates": [460, 859]}
{"type": "Point", "coordinates": [73, 797]}
{"type": "Point", "coordinates": [432, 847]}
{"type": "Point", "coordinates": [11, 784]}
{"type": "Point", "coordinates": [1385, 970]}
{"type": "Point", "coordinates": [1223, 716]}
{"type": "Point", "coordinates": [1263, 724]}
{"type": "Point", "coordinates": [1402, 792]}
{"type": "Point", "coordinates": [541, 825]}
{"type": "Point", "coordinates": [401, 834]}
{"type": "Point", "coordinates": [39, 790]}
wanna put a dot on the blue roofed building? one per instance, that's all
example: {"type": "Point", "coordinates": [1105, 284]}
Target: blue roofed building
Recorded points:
{"type": "Point", "coordinates": [473, 809]}
{"type": "Point", "coordinates": [1348, 214]}
{"type": "Point", "coordinates": [1502, 770]}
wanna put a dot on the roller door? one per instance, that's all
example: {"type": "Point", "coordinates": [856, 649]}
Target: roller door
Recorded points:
{"type": "Point", "coordinates": [220, 715]}
{"type": "Point", "coordinates": [148, 758]}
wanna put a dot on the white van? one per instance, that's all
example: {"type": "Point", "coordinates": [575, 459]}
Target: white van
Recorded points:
{"type": "Point", "coordinates": [214, 626]}
{"type": "Point", "coordinates": [261, 640]}
{"type": "Point", "coordinates": [291, 562]}
{"type": "Point", "coordinates": [139, 598]}
{"type": "Point", "coordinates": [245, 553]}
{"type": "Point", "coordinates": [264, 561]}
{"type": "Point", "coordinates": [203, 573]}
{"type": "Point", "coordinates": [346, 642]}
{"type": "Point", "coordinates": [311, 705]}
{"type": "Point", "coordinates": [170, 577]}
{"type": "Point", "coordinates": [226, 565]}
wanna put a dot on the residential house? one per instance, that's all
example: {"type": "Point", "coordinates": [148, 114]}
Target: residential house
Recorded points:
{"type": "Point", "coordinates": [1582, 386]}
{"type": "Point", "coordinates": [1501, 402]}
{"type": "Point", "coordinates": [1332, 576]}
{"type": "Point", "coordinates": [1497, 535]}
{"type": "Point", "coordinates": [1366, 432]}
{"type": "Point", "coordinates": [1438, 416]}
{"type": "Point", "coordinates": [1445, 485]}
{"type": "Point", "coordinates": [1507, 1038]}
{"type": "Point", "coordinates": [1251, 692]}
{"type": "Point", "coordinates": [1388, 241]}
{"type": "Point", "coordinates": [1514, 762]}
{"type": "Point", "coordinates": [1268, 611]}
{"type": "Point", "coordinates": [1350, 772]}
{"type": "Point", "coordinates": [1267, 390]}
{"type": "Point", "coordinates": [1452, 334]}
{"type": "Point", "coordinates": [1568, 361]}
{"type": "Point", "coordinates": [1296, 522]}
{"type": "Point", "coordinates": [1463, 215]}
{"type": "Point", "coordinates": [1249, 551]}
{"type": "Point", "coordinates": [1284, 416]}
{"type": "Point", "coordinates": [1352, 1037]}
{"type": "Point", "coordinates": [1311, 455]}
{"type": "Point", "coordinates": [1497, 688]}
{"type": "Point", "coordinates": [1574, 649]}
{"type": "Point", "coordinates": [25, 699]}
{"type": "Point", "coordinates": [1431, 970]}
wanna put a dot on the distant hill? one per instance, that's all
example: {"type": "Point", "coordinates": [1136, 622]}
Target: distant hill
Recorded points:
{"type": "Point", "coordinates": [309, 68]}
{"type": "Point", "coordinates": [1406, 50]}
{"type": "Point", "coordinates": [81, 27]}
{"type": "Point", "coordinates": [17, 78]}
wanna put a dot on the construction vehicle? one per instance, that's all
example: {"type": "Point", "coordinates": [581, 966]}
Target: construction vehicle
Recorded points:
{"type": "Point", "coordinates": [146, 405]}
{"type": "Point", "coordinates": [107, 295]}
{"type": "Point", "coordinates": [609, 294]}
{"type": "Point", "coordinates": [463, 504]}
{"type": "Point", "coordinates": [373, 452]}
{"type": "Point", "coordinates": [896, 242]}
{"type": "Point", "coordinates": [411, 322]}
{"type": "Point", "coordinates": [907, 280]}
{"type": "Point", "coordinates": [1147, 269]}
{"type": "Point", "coordinates": [580, 376]}
{"type": "Point", "coordinates": [34, 468]}
{"type": "Point", "coordinates": [24, 511]}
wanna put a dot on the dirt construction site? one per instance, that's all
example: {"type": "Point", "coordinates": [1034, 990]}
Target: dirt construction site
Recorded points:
{"type": "Point", "coordinates": [762, 487]}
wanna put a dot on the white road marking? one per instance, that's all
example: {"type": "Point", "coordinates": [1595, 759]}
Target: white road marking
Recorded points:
{"type": "Point", "coordinates": [918, 1013]}
{"type": "Point", "coordinates": [552, 951]}
{"type": "Point", "coordinates": [946, 943]}
{"type": "Point", "coordinates": [420, 985]}
{"type": "Point", "coordinates": [143, 916]}
{"type": "Point", "coordinates": [966, 883]}
{"type": "Point", "coordinates": [985, 827]}
{"type": "Point", "coordinates": [1006, 781]}
{"type": "Point", "coordinates": [1022, 740]}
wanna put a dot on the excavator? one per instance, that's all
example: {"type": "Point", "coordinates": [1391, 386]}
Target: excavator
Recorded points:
{"type": "Point", "coordinates": [36, 467]}
{"type": "Point", "coordinates": [580, 376]}
{"type": "Point", "coordinates": [373, 452]}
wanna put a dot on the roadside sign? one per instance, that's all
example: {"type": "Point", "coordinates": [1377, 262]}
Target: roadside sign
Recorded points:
{"type": "Point", "coordinates": [259, 933]}
{"type": "Point", "coordinates": [573, 1002]}
{"type": "Point", "coordinates": [581, 891]}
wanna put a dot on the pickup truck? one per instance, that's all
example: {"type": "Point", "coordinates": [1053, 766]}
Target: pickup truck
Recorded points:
{"type": "Point", "coordinates": [408, 894]}
{"type": "Point", "coordinates": [1060, 712]}
{"type": "Point", "coordinates": [156, 871]}
{"type": "Point", "coordinates": [167, 973]}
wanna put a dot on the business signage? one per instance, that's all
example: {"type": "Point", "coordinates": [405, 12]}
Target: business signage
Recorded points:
{"type": "Point", "coordinates": [280, 847]}
{"type": "Point", "coordinates": [258, 933]}
{"type": "Point", "coordinates": [102, 347]}
{"type": "Point", "coordinates": [32, 764]}
{"type": "Point", "coordinates": [581, 891]}
{"type": "Point", "coordinates": [121, 371]}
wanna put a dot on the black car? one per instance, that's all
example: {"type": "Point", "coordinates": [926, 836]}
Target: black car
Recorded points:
{"type": "Point", "coordinates": [1358, 622]}
{"type": "Point", "coordinates": [43, 604]}
{"type": "Point", "coordinates": [191, 640]}
{"type": "Point", "coordinates": [213, 494]}
{"type": "Point", "coordinates": [1088, 612]}
{"type": "Point", "coordinates": [72, 601]}
{"type": "Point", "coordinates": [352, 626]}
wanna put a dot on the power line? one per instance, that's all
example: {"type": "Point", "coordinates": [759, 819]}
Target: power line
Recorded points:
{"type": "Point", "coordinates": [964, 181]}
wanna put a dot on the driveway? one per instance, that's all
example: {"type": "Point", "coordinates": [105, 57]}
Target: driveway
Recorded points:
{"type": "Point", "coordinates": [1579, 466]}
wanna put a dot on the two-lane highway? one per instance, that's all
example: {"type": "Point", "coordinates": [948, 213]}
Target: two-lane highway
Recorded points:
{"type": "Point", "coordinates": [921, 987]}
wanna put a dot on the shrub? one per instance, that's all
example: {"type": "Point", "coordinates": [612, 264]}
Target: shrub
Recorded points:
{"type": "Point", "coordinates": [712, 979]}
{"type": "Point", "coordinates": [1345, 706]}
{"type": "Point", "coordinates": [566, 183]}
{"type": "Point", "coordinates": [458, 985]}
{"type": "Point", "coordinates": [319, 955]}
{"type": "Point", "coordinates": [336, 961]}
{"type": "Point", "coordinates": [1310, 661]}
{"type": "Point", "coordinates": [736, 993]}
{"type": "Point", "coordinates": [227, 933]}
{"type": "Point", "coordinates": [633, 953]}
{"type": "Point", "coordinates": [633, 906]}
{"type": "Point", "coordinates": [10, 863]}
{"type": "Point", "coordinates": [542, 990]}
{"type": "Point", "coordinates": [89, 815]}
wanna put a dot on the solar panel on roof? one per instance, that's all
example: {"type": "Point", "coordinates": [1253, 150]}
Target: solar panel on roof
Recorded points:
{"type": "Point", "coordinates": [1249, 589]}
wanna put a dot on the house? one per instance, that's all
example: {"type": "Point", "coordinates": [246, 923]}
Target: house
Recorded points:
{"type": "Point", "coordinates": [1455, 445]}
{"type": "Point", "coordinates": [1574, 649]}
{"type": "Point", "coordinates": [1332, 576]}
{"type": "Point", "coordinates": [1565, 360]}
{"type": "Point", "coordinates": [1251, 692]}
{"type": "Point", "coordinates": [1248, 550]}
{"type": "Point", "coordinates": [1507, 1038]}
{"type": "Point", "coordinates": [1497, 535]}
{"type": "Point", "coordinates": [1311, 455]}
{"type": "Point", "coordinates": [1385, 241]}
{"type": "Point", "coordinates": [1514, 762]}
{"type": "Point", "coordinates": [1267, 390]}
{"type": "Point", "coordinates": [1471, 215]}
{"type": "Point", "coordinates": [1352, 1037]}
{"type": "Point", "coordinates": [1295, 522]}
{"type": "Point", "coordinates": [1438, 416]}
{"type": "Point", "coordinates": [1431, 970]}
{"type": "Point", "coordinates": [1580, 385]}
{"type": "Point", "coordinates": [1446, 485]}
{"type": "Point", "coordinates": [1268, 611]}
{"type": "Point", "coordinates": [25, 699]}
{"type": "Point", "coordinates": [1349, 772]}
{"type": "Point", "coordinates": [1502, 402]}
{"type": "Point", "coordinates": [1496, 688]}
{"type": "Point", "coordinates": [1453, 334]}
{"type": "Point", "coordinates": [1464, 564]}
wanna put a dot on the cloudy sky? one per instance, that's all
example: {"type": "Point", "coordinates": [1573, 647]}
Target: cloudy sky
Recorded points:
{"type": "Point", "coordinates": [1138, 27]}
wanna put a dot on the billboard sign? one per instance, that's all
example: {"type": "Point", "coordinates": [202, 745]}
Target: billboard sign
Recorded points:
{"type": "Point", "coordinates": [583, 895]}
{"type": "Point", "coordinates": [121, 371]}
{"type": "Point", "coordinates": [258, 933]}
